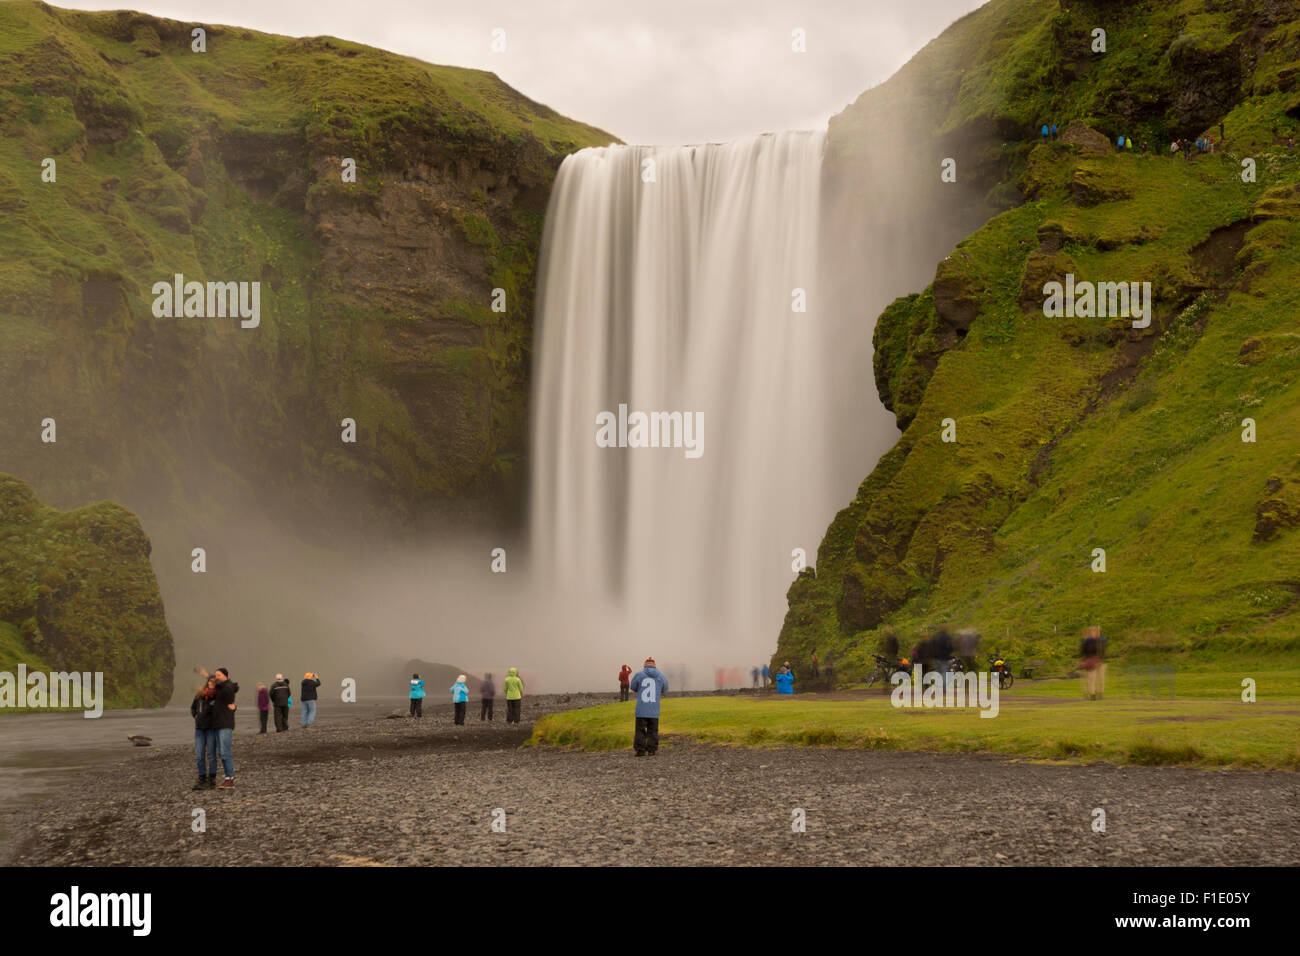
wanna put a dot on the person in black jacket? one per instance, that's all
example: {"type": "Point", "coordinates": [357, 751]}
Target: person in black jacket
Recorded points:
{"type": "Point", "coordinates": [223, 723]}
{"type": "Point", "coordinates": [280, 692]}
{"type": "Point", "coordinates": [205, 738]}
{"type": "Point", "coordinates": [310, 682]}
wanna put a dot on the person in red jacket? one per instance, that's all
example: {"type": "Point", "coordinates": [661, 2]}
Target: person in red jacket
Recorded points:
{"type": "Point", "coordinates": [623, 676]}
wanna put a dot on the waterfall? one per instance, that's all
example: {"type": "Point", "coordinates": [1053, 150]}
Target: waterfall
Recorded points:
{"type": "Point", "coordinates": [667, 279]}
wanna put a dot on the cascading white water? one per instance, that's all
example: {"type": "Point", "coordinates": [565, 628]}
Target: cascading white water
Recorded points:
{"type": "Point", "coordinates": [674, 293]}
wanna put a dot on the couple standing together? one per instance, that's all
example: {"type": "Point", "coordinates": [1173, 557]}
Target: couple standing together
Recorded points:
{"type": "Point", "coordinates": [213, 710]}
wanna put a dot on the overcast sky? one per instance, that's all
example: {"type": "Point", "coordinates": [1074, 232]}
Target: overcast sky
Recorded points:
{"type": "Point", "coordinates": [648, 71]}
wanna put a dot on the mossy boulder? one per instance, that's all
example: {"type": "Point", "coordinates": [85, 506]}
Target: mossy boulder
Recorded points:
{"type": "Point", "coordinates": [1096, 182]}
{"type": "Point", "coordinates": [956, 292]}
{"type": "Point", "coordinates": [909, 338]}
{"type": "Point", "coordinates": [77, 593]}
{"type": "Point", "coordinates": [1087, 139]}
{"type": "Point", "coordinates": [1278, 510]}
{"type": "Point", "coordinates": [1278, 202]}
{"type": "Point", "coordinates": [1042, 267]}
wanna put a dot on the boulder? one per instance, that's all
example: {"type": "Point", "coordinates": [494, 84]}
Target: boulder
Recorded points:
{"type": "Point", "coordinates": [1086, 138]}
{"type": "Point", "coordinates": [1279, 508]}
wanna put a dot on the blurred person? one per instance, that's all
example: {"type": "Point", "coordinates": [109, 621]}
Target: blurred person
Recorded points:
{"type": "Point", "coordinates": [223, 723]}
{"type": "Point", "coordinates": [623, 675]}
{"type": "Point", "coordinates": [922, 654]}
{"type": "Point", "coordinates": [310, 682]}
{"type": "Point", "coordinates": [487, 692]}
{"type": "Point", "coordinates": [816, 673]}
{"type": "Point", "coordinates": [1090, 660]}
{"type": "Point", "coordinates": [966, 645]}
{"type": "Point", "coordinates": [1101, 660]}
{"type": "Point", "coordinates": [263, 706]}
{"type": "Point", "coordinates": [514, 688]}
{"type": "Point", "coordinates": [205, 738]}
{"type": "Point", "coordinates": [417, 696]}
{"type": "Point", "coordinates": [460, 698]}
{"type": "Point", "coordinates": [941, 650]}
{"type": "Point", "coordinates": [754, 675]}
{"type": "Point", "coordinates": [281, 698]}
{"type": "Point", "coordinates": [767, 676]}
{"type": "Point", "coordinates": [1146, 666]}
{"type": "Point", "coordinates": [649, 685]}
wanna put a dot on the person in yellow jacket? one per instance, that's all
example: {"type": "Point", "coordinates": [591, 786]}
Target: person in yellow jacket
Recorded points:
{"type": "Point", "coordinates": [514, 695]}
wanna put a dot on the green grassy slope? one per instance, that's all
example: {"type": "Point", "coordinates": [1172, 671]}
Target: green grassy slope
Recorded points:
{"type": "Point", "coordinates": [1075, 434]}
{"type": "Point", "coordinates": [226, 165]}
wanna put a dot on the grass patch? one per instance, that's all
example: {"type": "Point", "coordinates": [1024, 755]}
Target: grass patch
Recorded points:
{"type": "Point", "coordinates": [1210, 727]}
{"type": "Point", "coordinates": [1149, 753]}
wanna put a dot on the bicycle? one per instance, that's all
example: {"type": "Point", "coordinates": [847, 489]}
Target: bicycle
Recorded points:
{"type": "Point", "coordinates": [1000, 667]}
{"type": "Point", "coordinates": [886, 668]}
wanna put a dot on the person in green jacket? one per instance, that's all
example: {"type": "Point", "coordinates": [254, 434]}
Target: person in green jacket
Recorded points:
{"type": "Point", "coordinates": [514, 696]}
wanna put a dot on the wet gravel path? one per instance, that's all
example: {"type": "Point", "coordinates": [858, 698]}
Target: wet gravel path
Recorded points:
{"type": "Point", "coordinates": [407, 792]}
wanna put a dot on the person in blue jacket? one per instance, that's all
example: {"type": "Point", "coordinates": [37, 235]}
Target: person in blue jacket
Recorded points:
{"type": "Point", "coordinates": [649, 685]}
{"type": "Point", "coordinates": [785, 681]}
{"type": "Point", "coordinates": [460, 697]}
{"type": "Point", "coordinates": [417, 696]}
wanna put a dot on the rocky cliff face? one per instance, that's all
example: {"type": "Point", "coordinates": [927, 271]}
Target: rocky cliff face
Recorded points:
{"type": "Point", "coordinates": [398, 298]}
{"type": "Point", "coordinates": [77, 593]}
{"type": "Point", "coordinates": [231, 165]}
{"type": "Point", "coordinates": [1076, 433]}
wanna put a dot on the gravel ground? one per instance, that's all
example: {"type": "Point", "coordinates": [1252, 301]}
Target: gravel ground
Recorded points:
{"type": "Point", "coordinates": [405, 792]}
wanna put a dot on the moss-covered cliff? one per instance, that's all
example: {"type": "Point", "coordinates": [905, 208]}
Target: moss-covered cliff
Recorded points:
{"type": "Point", "coordinates": [1085, 433]}
{"type": "Point", "coordinates": [77, 593]}
{"type": "Point", "coordinates": [227, 165]}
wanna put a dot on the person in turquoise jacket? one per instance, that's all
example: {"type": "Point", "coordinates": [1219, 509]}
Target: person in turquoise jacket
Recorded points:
{"type": "Point", "coordinates": [417, 696]}
{"type": "Point", "coordinates": [460, 697]}
{"type": "Point", "coordinates": [649, 685]}
{"type": "Point", "coordinates": [785, 681]}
